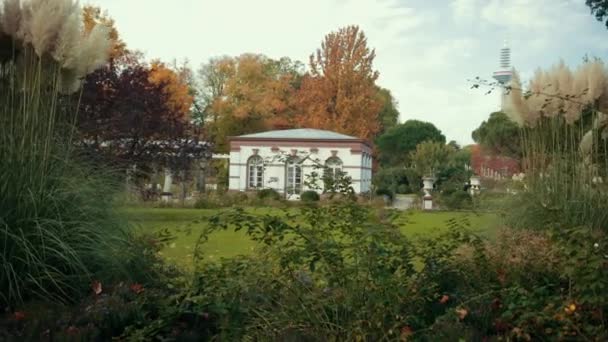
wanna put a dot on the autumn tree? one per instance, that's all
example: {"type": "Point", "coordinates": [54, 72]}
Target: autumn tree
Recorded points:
{"type": "Point", "coordinates": [339, 92]}
{"type": "Point", "coordinates": [137, 114]}
{"type": "Point", "coordinates": [247, 94]}
{"type": "Point", "coordinates": [93, 16]}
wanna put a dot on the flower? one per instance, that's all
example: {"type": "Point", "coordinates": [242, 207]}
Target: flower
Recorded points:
{"type": "Point", "coordinates": [444, 299]}
{"type": "Point", "coordinates": [596, 245]}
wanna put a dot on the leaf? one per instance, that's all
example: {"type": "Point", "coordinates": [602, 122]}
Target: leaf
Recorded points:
{"type": "Point", "coordinates": [462, 313]}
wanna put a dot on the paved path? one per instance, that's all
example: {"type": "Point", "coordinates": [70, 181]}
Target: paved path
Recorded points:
{"type": "Point", "coordinates": [403, 202]}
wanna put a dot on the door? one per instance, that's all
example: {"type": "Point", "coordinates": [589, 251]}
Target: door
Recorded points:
{"type": "Point", "coordinates": [293, 181]}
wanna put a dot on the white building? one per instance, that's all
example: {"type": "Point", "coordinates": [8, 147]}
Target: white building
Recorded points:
{"type": "Point", "coordinates": [281, 160]}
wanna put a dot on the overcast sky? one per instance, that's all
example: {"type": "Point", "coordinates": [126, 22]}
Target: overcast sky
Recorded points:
{"type": "Point", "coordinates": [426, 49]}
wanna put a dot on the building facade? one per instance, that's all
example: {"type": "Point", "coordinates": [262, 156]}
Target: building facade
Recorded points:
{"type": "Point", "coordinates": [284, 160]}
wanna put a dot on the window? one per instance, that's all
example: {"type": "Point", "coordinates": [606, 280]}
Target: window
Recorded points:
{"type": "Point", "coordinates": [293, 184]}
{"type": "Point", "coordinates": [333, 167]}
{"type": "Point", "coordinates": [255, 167]}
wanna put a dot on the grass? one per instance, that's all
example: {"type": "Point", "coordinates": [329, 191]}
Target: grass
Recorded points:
{"type": "Point", "coordinates": [186, 223]}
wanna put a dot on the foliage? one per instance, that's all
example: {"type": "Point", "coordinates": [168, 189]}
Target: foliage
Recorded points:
{"type": "Point", "coordinates": [310, 196]}
{"type": "Point", "coordinates": [93, 16]}
{"type": "Point", "coordinates": [339, 92]}
{"type": "Point", "coordinates": [57, 221]}
{"type": "Point", "coordinates": [323, 264]}
{"type": "Point", "coordinates": [395, 144]}
{"type": "Point", "coordinates": [135, 114]}
{"type": "Point", "coordinates": [389, 114]}
{"type": "Point", "coordinates": [247, 94]}
{"type": "Point", "coordinates": [385, 192]}
{"type": "Point", "coordinates": [455, 199]}
{"type": "Point", "coordinates": [269, 194]}
{"type": "Point", "coordinates": [499, 135]}
{"type": "Point", "coordinates": [429, 157]}
{"type": "Point", "coordinates": [599, 8]}
{"type": "Point", "coordinates": [397, 180]}
{"type": "Point", "coordinates": [564, 135]}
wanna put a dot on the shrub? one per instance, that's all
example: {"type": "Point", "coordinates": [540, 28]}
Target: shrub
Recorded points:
{"type": "Point", "coordinates": [310, 196]}
{"type": "Point", "coordinates": [403, 189]}
{"type": "Point", "coordinates": [385, 192]}
{"type": "Point", "coordinates": [455, 199]}
{"type": "Point", "coordinates": [396, 179]}
{"type": "Point", "coordinates": [271, 194]}
{"type": "Point", "coordinates": [58, 227]}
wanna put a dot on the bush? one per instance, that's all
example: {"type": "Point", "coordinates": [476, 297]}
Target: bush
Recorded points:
{"type": "Point", "coordinates": [310, 196]}
{"type": "Point", "coordinates": [456, 199]}
{"type": "Point", "coordinates": [271, 194]}
{"type": "Point", "coordinates": [404, 189]}
{"type": "Point", "coordinates": [396, 179]}
{"type": "Point", "coordinates": [385, 192]}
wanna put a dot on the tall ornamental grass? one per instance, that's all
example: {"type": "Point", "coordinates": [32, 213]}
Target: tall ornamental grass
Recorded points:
{"type": "Point", "coordinates": [564, 134]}
{"type": "Point", "coordinates": [58, 230]}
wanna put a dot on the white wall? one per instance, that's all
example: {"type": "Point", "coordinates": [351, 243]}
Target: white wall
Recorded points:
{"type": "Point", "coordinates": [356, 164]}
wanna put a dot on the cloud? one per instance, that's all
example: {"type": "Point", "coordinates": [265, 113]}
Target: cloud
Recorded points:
{"type": "Point", "coordinates": [464, 10]}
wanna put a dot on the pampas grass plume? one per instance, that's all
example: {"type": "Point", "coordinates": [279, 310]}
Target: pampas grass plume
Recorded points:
{"type": "Point", "coordinates": [10, 17]}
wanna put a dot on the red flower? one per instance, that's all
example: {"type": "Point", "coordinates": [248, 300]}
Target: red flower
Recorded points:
{"type": "Point", "coordinates": [19, 315]}
{"type": "Point", "coordinates": [444, 299]}
{"type": "Point", "coordinates": [137, 288]}
{"type": "Point", "coordinates": [72, 330]}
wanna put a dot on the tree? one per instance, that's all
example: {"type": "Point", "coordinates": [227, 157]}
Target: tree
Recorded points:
{"type": "Point", "coordinates": [339, 92]}
{"type": "Point", "coordinates": [389, 114]}
{"type": "Point", "coordinates": [499, 135]}
{"type": "Point", "coordinates": [248, 94]}
{"type": "Point", "coordinates": [395, 145]}
{"type": "Point", "coordinates": [93, 16]}
{"type": "Point", "coordinates": [430, 157]}
{"type": "Point", "coordinates": [132, 114]}
{"type": "Point", "coordinates": [599, 8]}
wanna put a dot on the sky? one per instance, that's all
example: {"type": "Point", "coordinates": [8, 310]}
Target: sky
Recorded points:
{"type": "Point", "coordinates": [426, 50]}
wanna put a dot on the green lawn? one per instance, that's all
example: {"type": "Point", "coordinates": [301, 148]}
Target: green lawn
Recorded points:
{"type": "Point", "coordinates": [187, 223]}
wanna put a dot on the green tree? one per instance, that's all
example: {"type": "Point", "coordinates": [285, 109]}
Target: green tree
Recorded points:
{"type": "Point", "coordinates": [397, 142]}
{"type": "Point", "coordinates": [499, 135]}
{"type": "Point", "coordinates": [389, 114]}
{"type": "Point", "coordinates": [431, 157]}
{"type": "Point", "coordinates": [599, 8]}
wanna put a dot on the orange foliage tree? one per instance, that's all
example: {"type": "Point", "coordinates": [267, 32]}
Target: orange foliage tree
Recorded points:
{"type": "Point", "coordinates": [246, 94]}
{"type": "Point", "coordinates": [339, 92]}
{"type": "Point", "coordinates": [174, 85]}
{"type": "Point", "coordinates": [92, 16]}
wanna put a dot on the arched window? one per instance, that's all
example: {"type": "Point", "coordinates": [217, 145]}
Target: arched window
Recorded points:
{"type": "Point", "coordinates": [333, 166]}
{"type": "Point", "coordinates": [293, 184]}
{"type": "Point", "coordinates": [255, 172]}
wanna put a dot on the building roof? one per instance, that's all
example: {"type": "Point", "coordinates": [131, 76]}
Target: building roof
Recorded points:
{"type": "Point", "coordinates": [299, 133]}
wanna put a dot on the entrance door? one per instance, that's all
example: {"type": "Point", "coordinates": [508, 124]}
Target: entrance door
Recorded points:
{"type": "Point", "coordinates": [293, 181]}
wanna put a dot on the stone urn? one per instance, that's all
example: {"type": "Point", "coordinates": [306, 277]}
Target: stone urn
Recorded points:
{"type": "Point", "coordinates": [475, 185]}
{"type": "Point", "coordinates": [427, 200]}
